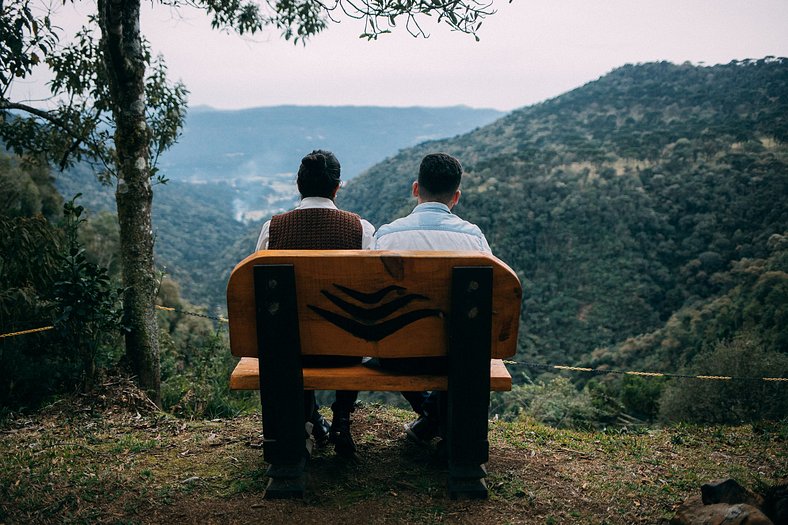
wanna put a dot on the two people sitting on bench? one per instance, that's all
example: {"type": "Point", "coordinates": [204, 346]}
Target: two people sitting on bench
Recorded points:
{"type": "Point", "coordinates": [317, 224]}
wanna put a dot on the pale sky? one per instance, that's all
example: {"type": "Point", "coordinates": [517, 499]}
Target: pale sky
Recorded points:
{"type": "Point", "coordinates": [530, 50]}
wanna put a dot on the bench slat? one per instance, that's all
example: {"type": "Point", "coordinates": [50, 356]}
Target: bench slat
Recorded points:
{"type": "Point", "coordinates": [364, 378]}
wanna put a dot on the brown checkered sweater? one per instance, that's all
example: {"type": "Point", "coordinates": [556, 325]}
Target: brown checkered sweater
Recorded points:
{"type": "Point", "coordinates": [315, 229]}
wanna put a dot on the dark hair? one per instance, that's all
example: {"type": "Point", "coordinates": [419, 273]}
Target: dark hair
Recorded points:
{"type": "Point", "coordinates": [318, 175]}
{"type": "Point", "coordinates": [439, 176]}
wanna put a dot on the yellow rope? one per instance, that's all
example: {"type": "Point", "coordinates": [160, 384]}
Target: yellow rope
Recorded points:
{"type": "Point", "coordinates": [508, 362]}
{"type": "Point", "coordinates": [171, 309]}
{"type": "Point", "coordinates": [574, 368]}
{"type": "Point", "coordinates": [31, 331]}
{"type": "Point", "coordinates": [647, 374]}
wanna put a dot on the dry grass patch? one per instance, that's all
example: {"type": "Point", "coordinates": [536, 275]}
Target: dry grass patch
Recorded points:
{"type": "Point", "coordinates": [81, 461]}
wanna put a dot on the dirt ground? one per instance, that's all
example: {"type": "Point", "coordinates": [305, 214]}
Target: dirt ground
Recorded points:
{"type": "Point", "coordinates": [122, 462]}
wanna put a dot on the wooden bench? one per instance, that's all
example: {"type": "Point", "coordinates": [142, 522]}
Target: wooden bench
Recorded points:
{"type": "Point", "coordinates": [283, 304]}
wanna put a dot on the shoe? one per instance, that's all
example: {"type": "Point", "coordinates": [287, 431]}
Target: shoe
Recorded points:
{"type": "Point", "coordinates": [340, 436]}
{"type": "Point", "coordinates": [423, 430]}
{"type": "Point", "coordinates": [320, 430]}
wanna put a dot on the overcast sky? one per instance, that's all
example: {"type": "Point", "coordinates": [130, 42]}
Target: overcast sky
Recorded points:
{"type": "Point", "coordinates": [529, 51]}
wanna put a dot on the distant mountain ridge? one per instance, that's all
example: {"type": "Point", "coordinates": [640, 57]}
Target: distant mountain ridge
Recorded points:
{"type": "Point", "coordinates": [266, 141]}
{"type": "Point", "coordinates": [623, 202]}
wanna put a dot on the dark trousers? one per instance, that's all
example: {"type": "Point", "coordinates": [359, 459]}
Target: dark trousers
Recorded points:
{"type": "Point", "coordinates": [423, 403]}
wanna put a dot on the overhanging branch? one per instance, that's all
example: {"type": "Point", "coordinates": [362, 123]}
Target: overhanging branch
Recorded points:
{"type": "Point", "coordinates": [7, 104]}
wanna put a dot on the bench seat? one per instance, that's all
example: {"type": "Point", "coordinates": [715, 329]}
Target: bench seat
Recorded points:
{"type": "Point", "coordinates": [362, 377]}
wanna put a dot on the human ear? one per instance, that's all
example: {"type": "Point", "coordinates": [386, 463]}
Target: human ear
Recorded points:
{"type": "Point", "coordinates": [455, 198]}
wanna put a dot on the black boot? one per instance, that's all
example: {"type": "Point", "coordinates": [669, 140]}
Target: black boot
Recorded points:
{"type": "Point", "coordinates": [340, 436]}
{"type": "Point", "coordinates": [320, 429]}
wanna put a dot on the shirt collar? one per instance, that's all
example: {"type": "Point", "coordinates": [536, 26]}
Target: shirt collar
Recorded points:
{"type": "Point", "coordinates": [432, 206]}
{"type": "Point", "coordinates": [316, 202]}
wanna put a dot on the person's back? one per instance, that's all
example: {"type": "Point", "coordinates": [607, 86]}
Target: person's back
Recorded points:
{"type": "Point", "coordinates": [317, 224]}
{"type": "Point", "coordinates": [430, 226]}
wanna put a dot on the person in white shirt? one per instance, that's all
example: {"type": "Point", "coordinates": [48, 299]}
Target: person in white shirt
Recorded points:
{"type": "Point", "coordinates": [430, 226]}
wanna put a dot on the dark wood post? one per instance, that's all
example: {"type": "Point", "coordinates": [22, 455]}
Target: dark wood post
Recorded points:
{"type": "Point", "coordinates": [281, 379]}
{"type": "Point", "coordinates": [470, 327]}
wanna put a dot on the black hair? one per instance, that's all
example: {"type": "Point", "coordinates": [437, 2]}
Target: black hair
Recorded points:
{"type": "Point", "coordinates": [318, 175]}
{"type": "Point", "coordinates": [439, 176]}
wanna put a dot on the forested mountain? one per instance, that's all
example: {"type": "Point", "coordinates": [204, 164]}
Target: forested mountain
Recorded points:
{"type": "Point", "coordinates": [644, 212]}
{"type": "Point", "coordinates": [656, 191]}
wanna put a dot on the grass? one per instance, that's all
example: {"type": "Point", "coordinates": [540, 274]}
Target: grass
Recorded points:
{"type": "Point", "coordinates": [119, 461]}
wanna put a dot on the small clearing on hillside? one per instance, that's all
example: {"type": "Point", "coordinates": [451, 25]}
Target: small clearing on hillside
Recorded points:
{"type": "Point", "coordinates": [113, 459]}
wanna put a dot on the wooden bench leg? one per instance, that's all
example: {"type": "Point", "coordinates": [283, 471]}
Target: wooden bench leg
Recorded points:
{"type": "Point", "coordinates": [281, 380]}
{"type": "Point", "coordinates": [469, 381]}
{"type": "Point", "coordinates": [286, 481]}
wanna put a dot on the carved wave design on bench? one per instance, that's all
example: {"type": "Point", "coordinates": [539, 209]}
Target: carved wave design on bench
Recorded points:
{"type": "Point", "coordinates": [370, 298]}
{"type": "Point", "coordinates": [367, 323]}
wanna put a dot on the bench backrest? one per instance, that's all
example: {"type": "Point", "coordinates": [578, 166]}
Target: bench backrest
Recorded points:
{"type": "Point", "coordinates": [372, 303]}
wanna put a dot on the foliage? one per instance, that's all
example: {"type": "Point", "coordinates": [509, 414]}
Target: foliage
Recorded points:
{"type": "Point", "coordinates": [46, 279]}
{"type": "Point", "coordinates": [640, 396]}
{"type": "Point", "coordinates": [624, 202]}
{"type": "Point", "coordinates": [734, 401]}
{"type": "Point", "coordinates": [88, 311]}
{"type": "Point", "coordinates": [81, 126]}
{"type": "Point", "coordinates": [195, 379]}
{"type": "Point", "coordinates": [27, 188]}
{"type": "Point", "coordinates": [300, 19]}
{"type": "Point", "coordinates": [754, 301]}
{"type": "Point", "coordinates": [99, 89]}
{"type": "Point", "coordinates": [556, 403]}
{"type": "Point", "coordinates": [28, 259]}
{"type": "Point", "coordinates": [26, 37]}
{"type": "Point", "coordinates": [196, 362]}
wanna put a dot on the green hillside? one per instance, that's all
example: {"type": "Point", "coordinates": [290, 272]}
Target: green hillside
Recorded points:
{"type": "Point", "coordinates": [619, 204]}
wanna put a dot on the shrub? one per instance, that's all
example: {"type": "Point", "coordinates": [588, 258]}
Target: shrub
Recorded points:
{"type": "Point", "coordinates": [732, 401]}
{"type": "Point", "coordinates": [198, 386]}
{"type": "Point", "coordinates": [87, 307]}
{"type": "Point", "coordinates": [45, 279]}
{"type": "Point", "coordinates": [557, 403]}
{"type": "Point", "coordinates": [640, 396]}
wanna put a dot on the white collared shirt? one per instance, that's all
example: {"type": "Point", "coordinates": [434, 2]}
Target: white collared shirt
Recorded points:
{"type": "Point", "coordinates": [431, 226]}
{"type": "Point", "coordinates": [319, 202]}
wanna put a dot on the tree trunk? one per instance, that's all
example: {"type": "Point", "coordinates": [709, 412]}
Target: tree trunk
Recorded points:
{"type": "Point", "coordinates": [123, 55]}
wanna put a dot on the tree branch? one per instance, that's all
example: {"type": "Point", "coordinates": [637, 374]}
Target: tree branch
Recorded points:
{"type": "Point", "coordinates": [7, 104]}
